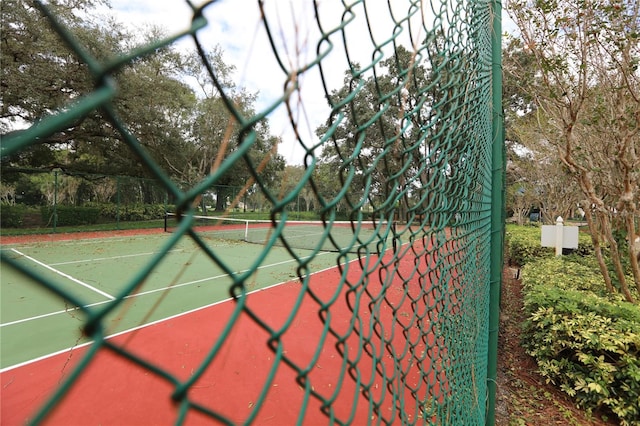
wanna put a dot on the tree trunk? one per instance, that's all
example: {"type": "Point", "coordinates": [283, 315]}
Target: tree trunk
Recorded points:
{"type": "Point", "coordinates": [634, 250]}
{"type": "Point", "coordinates": [615, 257]}
{"type": "Point", "coordinates": [595, 240]}
{"type": "Point", "coordinates": [221, 200]}
{"type": "Point", "coordinates": [586, 186]}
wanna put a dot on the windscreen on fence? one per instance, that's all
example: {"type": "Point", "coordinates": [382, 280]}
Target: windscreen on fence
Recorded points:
{"type": "Point", "coordinates": [398, 150]}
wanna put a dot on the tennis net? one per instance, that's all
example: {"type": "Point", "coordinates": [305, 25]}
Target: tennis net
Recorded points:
{"type": "Point", "coordinates": [362, 235]}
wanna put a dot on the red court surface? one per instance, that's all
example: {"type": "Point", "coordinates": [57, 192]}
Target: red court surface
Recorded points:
{"type": "Point", "coordinates": [327, 352]}
{"type": "Point", "coordinates": [68, 236]}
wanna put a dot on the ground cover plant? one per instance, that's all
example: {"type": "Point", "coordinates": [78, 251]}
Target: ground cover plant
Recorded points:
{"type": "Point", "coordinates": [585, 340]}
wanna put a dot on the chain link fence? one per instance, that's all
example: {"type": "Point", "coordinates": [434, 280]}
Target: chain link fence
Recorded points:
{"type": "Point", "coordinates": [426, 154]}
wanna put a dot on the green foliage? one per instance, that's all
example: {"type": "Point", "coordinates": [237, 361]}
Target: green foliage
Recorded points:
{"type": "Point", "coordinates": [296, 215]}
{"type": "Point", "coordinates": [93, 213]}
{"type": "Point", "coordinates": [110, 212]}
{"type": "Point", "coordinates": [591, 262]}
{"type": "Point", "coordinates": [12, 216]}
{"type": "Point", "coordinates": [584, 340]}
{"type": "Point", "coordinates": [70, 215]}
{"type": "Point", "coordinates": [523, 245]}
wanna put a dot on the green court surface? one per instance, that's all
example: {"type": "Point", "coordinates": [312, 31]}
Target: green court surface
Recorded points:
{"type": "Point", "coordinates": [35, 322]}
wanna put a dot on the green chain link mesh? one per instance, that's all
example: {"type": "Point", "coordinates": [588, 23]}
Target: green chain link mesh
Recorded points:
{"type": "Point", "coordinates": [417, 351]}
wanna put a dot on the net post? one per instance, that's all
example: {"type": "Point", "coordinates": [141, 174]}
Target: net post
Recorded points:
{"type": "Point", "coordinates": [394, 234]}
{"type": "Point", "coordinates": [246, 230]}
{"type": "Point", "coordinates": [166, 219]}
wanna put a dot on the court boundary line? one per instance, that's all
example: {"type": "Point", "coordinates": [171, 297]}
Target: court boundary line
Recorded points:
{"type": "Point", "coordinates": [124, 256]}
{"type": "Point", "coordinates": [152, 323]}
{"type": "Point", "coordinates": [62, 274]}
{"type": "Point", "coordinates": [144, 293]}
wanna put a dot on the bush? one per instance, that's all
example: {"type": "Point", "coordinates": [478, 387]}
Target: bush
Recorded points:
{"type": "Point", "coordinates": [584, 340]}
{"type": "Point", "coordinates": [523, 245]}
{"type": "Point", "coordinates": [137, 212]}
{"type": "Point", "coordinates": [303, 215]}
{"type": "Point", "coordinates": [70, 215]}
{"type": "Point", "coordinates": [129, 212]}
{"type": "Point", "coordinates": [12, 216]}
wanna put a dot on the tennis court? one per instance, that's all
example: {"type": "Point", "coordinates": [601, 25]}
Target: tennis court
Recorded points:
{"type": "Point", "coordinates": [182, 308]}
{"type": "Point", "coordinates": [95, 270]}
{"type": "Point", "coordinates": [389, 318]}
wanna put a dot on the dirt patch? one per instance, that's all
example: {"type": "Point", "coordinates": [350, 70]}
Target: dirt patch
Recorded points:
{"type": "Point", "coordinates": [523, 397]}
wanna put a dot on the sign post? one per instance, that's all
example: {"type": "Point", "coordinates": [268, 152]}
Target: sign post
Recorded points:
{"type": "Point", "coordinates": [559, 236]}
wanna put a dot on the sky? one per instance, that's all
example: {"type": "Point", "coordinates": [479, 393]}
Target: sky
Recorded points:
{"type": "Point", "coordinates": [236, 26]}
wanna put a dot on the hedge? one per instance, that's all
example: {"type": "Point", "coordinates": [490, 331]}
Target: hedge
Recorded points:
{"type": "Point", "coordinates": [523, 245]}
{"type": "Point", "coordinates": [70, 215]}
{"type": "Point", "coordinates": [129, 212]}
{"type": "Point", "coordinates": [92, 213]}
{"type": "Point", "coordinates": [584, 340]}
{"type": "Point", "coordinates": [12, 216]}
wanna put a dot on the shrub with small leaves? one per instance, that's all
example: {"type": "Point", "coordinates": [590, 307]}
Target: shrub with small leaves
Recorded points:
{"type": "Point", "coordinates": [12, 216]}
{"type": "Point", "coordinates": [69, 215]}
{"type": "Point", "coordinates": [129, 212]}
{"type": "Point", "coordinates": [524, 246]}
{"type": "Point", "coordinates": [585, 340]}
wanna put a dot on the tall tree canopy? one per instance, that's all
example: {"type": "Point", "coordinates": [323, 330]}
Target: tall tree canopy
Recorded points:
{"type": "Point", "coordinates": [185, 126]}
{"type": "Point", "coordinates": [395, 139]}
{"type": "Point", "coordinates": [40, 75]}
{"type": "Point", "coordinates": [586, 93]}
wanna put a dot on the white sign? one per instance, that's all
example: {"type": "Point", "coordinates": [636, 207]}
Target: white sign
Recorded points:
{"type": "Point", "coordinates": [559, 236]}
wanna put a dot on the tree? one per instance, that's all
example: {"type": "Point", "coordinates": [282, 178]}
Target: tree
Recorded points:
{"type": "Point", "coordinates": [187, 133]}
{"type": "Point", "coordinates": [7, 194]}
{"type": "Point", "coordinates": [156, 105]}
{"type": "Point", "coordinates": [587, 87]}
{"type": "Point", "coordinates": [288, 180]}
{"type": "Point", "coordinates": [391, 130]}
{"type": "Point", "coordinates": [215, 133]}
{"type": "Point", "coordinates": [373, 139]}
{"type": "Point", "coordinates": [534, 176]}
{"type": "Point", "coordinates": [40, 75]}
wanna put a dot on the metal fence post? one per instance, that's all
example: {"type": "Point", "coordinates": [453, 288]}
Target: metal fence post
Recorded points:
{"type": "Point", "coordinates": [118, 202]}
{"type": "Point", "coordinates": [497, 210]}
{"type": "Point", "coordinates": [55, 200]}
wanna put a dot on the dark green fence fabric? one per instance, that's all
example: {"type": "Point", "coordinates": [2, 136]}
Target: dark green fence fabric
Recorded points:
{"type": "Point", "coordinates": [422, 155]}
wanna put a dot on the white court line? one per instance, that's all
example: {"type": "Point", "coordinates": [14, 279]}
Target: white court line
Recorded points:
{"type": "Point", "coordinates": [100, 259]}
{"type": "Point", "coordinates": [50, 314]}
{"type": "Point", "coordinates": [209, 279]}
{"type": "Point", "coordinates": [31, 361]}
{"type": "Point", "coordinates": [77, 281]}
{"type": "Point", "coordinates": [215, 277]}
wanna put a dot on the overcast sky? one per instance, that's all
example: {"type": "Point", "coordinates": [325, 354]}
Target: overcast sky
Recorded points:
{"type": "Point", "coordinates": [236, 26]}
